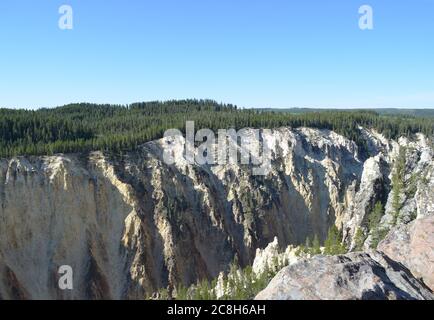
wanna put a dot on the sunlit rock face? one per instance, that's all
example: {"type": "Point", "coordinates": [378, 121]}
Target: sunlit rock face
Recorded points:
{"type": "Point", "coordinates": [131, 224]}
{"type": "Point", "coordinates": [413, 245]}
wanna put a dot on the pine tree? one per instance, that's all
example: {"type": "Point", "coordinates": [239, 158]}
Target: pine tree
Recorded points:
{"type": "Point", "coordinates": [359, 239]}
{"type": "Point", "coordinates": [333, 244]}
{"type": "Point", "coordinates": [398, 183]}
{"type": "Point", "coordinates": [316, 247]}
{"type": "Point", "coordinates": [307, 244]}
{"type": "Point", "coordinates": [377, 233]}
{"type": "Point", "coordinates": [81, 127]}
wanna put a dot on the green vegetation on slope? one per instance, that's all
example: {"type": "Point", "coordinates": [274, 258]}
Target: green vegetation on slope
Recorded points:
{"type": "Point", "coordinates": [359, 239]}
{"type": "Point", "coordinates": [84, 127]}
{"type": "Point", "coordinates": [382, 111]}
{"type": "Point", "coordinates": [398, 183]}
{"type": "Point", "coordinates": [243, 283]}
{"type": "Point", "coordinates": [238, 284]}
{"type": "Point", "coordinates": [333, 244]}
{"type": "Point", "coordinates": [377, 232]}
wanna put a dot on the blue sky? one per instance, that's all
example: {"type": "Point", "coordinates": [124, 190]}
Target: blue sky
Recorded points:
{"type": "Point", "coordinates": [253, 53]}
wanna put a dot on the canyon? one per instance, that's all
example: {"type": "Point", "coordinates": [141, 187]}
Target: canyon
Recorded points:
{"type": "Point", "coordinates": [129, 224]}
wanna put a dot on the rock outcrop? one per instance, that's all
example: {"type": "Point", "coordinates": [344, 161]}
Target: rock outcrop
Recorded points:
{"type": "Point", "coordinates": [413, 246]}
{"type": "Point", "coordinates": [273, 255]}
{"type": "Point", "coordinates": [346, 277]}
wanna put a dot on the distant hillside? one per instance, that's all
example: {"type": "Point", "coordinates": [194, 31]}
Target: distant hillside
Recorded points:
{"type": "Point", "coordinates": [410, 112]}
{"type": "Point", "coordinates": [381, 111]}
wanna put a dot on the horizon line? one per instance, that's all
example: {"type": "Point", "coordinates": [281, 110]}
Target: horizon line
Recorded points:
{"type": "Point", "coordinates": [35, 108]}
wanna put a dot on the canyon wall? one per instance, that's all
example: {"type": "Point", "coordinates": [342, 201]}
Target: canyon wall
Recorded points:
{"type": "Point", "coordinates": [131, 224]}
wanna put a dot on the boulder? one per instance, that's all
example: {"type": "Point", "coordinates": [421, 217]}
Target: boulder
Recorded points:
{"type": "Point", "coordinates": [351, 276]}
{"type": "Point", "coordinates": [413, 246]}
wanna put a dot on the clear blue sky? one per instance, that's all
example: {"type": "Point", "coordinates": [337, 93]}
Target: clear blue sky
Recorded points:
{"type": "Point", "coordinates": [268, 53]}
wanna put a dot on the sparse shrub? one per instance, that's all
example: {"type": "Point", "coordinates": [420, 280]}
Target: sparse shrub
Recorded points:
{"type": "Point", "coordinates": [300, 250]}
{"type": "Point", "coordinates": [163, 294]}
{"type": "Point", "coordinates": [398, 183]}
{"type": "Point", "coordinates": [181, 292]}
{"type": "Point", "coordinates": [333, 244]}
{"type": "Point", "coordinates": [359, 239]}
{"type": "Point", "coordinates": [376, 231]}
{"type": "Point", "coordinates": [238, 284]}
{"type": "Point", "coordinates": [316, 247]}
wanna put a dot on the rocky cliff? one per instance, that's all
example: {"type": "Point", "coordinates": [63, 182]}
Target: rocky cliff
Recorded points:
{"type": "Point", "coordinates": [413, 245]}
{"type": "Point", "coordinates": [130, 224]}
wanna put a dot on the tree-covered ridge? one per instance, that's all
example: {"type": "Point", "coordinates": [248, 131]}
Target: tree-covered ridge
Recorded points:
{"type": "Point", "coordinates": [84, 127]}
{"type": "Point", "coordinates": [420, 113]}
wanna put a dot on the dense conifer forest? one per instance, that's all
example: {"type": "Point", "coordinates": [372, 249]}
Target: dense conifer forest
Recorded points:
{"type": "Point", "coordinates": [117, 128]}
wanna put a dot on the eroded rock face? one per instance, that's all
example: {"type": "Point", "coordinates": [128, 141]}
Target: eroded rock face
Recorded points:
{"type": "Point", "coordinates": [413, 246]}
{"type": "Point", "coordinates": [133, 224]}
{"type": "Point", "coordinates": [274, 255]}
{"type": "Point", "coordinates": [57, 211]}
{"type": "Point", "coordinates": [346, 277]}
{"type": "Point", "coordinates": [416, 198]}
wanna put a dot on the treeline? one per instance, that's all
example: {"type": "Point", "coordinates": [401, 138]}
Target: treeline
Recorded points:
{"type": "Point", "coordinates": [422, 113]}
{"type": "Point", "coordinates": [117, 128]}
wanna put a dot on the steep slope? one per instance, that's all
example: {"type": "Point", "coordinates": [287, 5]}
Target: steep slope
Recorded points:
{"type": "Point", "coordinates": [413, 245]}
